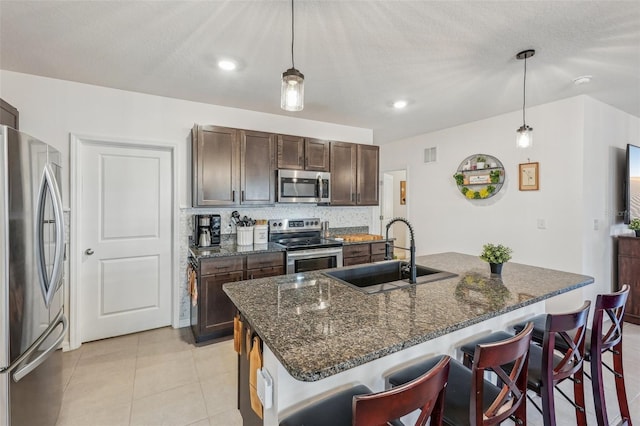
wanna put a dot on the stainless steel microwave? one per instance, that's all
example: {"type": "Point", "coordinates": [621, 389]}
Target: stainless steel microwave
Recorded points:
{"type": "Point", "coordinates": [302, 186]}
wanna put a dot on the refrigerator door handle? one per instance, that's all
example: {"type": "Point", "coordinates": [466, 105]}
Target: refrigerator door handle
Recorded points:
{"type": "Point", "coordinates": [22, 370]}
{"type": "Point", "coordinates": [50, 286]}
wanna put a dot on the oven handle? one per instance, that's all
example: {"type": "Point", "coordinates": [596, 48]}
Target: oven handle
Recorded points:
{"type": "Point", "coordinates": [310, 254]}
{"type": "Point", "coordinates": [292, 256]}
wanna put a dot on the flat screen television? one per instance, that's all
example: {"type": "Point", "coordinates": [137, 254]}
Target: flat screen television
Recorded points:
{"type": "Point", "coordinates": [632, 184]}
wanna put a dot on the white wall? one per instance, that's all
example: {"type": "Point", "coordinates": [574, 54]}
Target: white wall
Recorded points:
{"type": "Point", "coordinates": [52, 109]}
{"type": "Point", "coordinates": [575, 141]}
{"type": "Point", "coordinates": [607, 133]}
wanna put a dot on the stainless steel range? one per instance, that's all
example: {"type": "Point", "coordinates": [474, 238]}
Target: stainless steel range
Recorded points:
{"type": "Point", "coordinates": [306, 249]}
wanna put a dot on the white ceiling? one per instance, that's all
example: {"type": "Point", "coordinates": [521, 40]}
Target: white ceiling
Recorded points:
{"type": "Point", "coordinates": [453, 60]}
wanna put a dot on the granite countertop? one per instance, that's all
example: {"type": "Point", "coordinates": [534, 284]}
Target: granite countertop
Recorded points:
{"type": "Point", "coordinates": [317, 326]}
{"type": "Point", "coordinates": [232, 249]}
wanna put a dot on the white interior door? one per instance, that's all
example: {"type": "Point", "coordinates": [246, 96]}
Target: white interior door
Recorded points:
{"type": "Point", "coordinates": [387, 203]}
{"type": "Point", "coordinates": [393, 207]}
{"type": "Point", "coordinates": [126, 239]}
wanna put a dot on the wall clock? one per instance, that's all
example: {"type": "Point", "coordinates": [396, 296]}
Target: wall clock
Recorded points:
{"type": "Point", "coordinates": [529, 177]}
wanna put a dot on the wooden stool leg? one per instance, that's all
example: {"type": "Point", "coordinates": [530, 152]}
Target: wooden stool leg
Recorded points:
{"type": "Point", "coordinates": [548, 404]}
{"type": "Point", "coordinates": [597, 384]}
{"type": "Point", "coordinates": [578, 395]}
{"type": "Point", "coordinates": [620, 388]}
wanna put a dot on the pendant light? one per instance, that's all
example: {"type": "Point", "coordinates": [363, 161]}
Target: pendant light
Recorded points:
{"type": "Point", "coordinates": [292, 90]}
{"type": "Point", "coordinates": [524, 137]}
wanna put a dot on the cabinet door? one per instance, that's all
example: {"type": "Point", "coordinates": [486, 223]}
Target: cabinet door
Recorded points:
{"type": "Point", "coordinates": [216, 309]}
{"type": "Point", "coordinates": [272, 271]}
{"type": "Point", "coordinates": [290, 152]}
{"type": "Point", "coordinates": [343, 173]}
{"type": "Point", "coordinates": [266, 260]}
{"type": "Point", "coordinates": [215, 166]}
{"type": "Point", "coordinates": [629, 273]}
{"type": "Point", "coordinates": [316, 155]}
{"type": "Point", "coordinates": [368, 172]}
{"type": "Point", "coordinates": [258, 167]}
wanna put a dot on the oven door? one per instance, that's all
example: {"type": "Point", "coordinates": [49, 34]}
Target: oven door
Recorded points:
{"type": "Point", "coordinates": [313, 259]}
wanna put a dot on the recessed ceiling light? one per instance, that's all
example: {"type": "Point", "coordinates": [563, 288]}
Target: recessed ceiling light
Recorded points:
{"type": "Point", "coordinates": [583, 79]}
{"type": "Point", "coordinates": [400, 104]}
{"type": "Point", "coordinates": [227, 64]}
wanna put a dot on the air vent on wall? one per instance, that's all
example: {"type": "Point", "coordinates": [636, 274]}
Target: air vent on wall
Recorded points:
{"type": "Point", "coordinates": [430, 155]}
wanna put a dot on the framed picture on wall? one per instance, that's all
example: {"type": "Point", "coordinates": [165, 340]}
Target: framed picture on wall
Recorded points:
{"type": "Point", "coordinates": [529, 177]}
{"type": "Point", "coordinates": [403, 192]}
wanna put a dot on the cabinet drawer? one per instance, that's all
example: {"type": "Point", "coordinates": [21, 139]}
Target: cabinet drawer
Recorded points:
{"type": "Point", "coordinates": [378, 248]}
{"type": "Point", "coordinates": [348, 261]}
{"type": "Point", "coordinates": [356, 250]}
{"type": "Point", "coordinates": [264, 260]}
{"type": "Point", "coordinates": [272, 271]}
{"type": "Point", "coordinates": [221, 265]}
{"type": "Point", "coordinates": [377, 258]}
{"type": "Point", "coordinates": [629, 246]}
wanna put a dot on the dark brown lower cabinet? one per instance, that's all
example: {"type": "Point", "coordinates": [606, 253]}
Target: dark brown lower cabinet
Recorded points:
{"type": "Point", "coordinates": [357, 254]}
{"type": "Point", "coordinates": [212, 314]}
{"type": "Point", "coordinates": [629, 273]}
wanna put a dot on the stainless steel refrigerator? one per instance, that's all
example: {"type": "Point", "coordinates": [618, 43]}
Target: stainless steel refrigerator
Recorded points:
{"type": "Point", "coordinates": [32, 321]}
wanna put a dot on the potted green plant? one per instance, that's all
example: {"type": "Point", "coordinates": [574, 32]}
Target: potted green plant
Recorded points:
{"type": "Point", "coordinates": [496, 255]}
{"type": "Point", "coordinates": [634, 225]}
{"type": "Point", "coordinates": [480, 160]}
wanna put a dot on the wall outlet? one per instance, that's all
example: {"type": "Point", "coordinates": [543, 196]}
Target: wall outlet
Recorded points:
{"type": "Point", "coordinates": [542, 224]}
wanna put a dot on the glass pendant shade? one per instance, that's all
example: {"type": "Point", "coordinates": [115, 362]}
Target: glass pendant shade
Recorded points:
{"type": "Point", "coordinates": [524, 138]}
{"type": "Point", "coordinates": [292, 92]}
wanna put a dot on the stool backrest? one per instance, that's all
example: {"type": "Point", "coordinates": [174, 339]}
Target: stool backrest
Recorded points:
{"type": "Point", "coordinates": [511, 353]}
{"type": "Point", "coordinates": [570, 328]}
{"type": "Point", "coordinates": [426, 393]}
{"type": "Point", "coordinates": [613, 305]}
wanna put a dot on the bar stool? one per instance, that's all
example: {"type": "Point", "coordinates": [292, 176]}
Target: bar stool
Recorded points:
{"type": "Point", "coordinates": [358, 406]}
{"type": "Point", "coordinates": [547, 369]}
{"type": "Point", "coordinates": [472, 400]}
{"type": "Point", "coordinates": [597, 342]}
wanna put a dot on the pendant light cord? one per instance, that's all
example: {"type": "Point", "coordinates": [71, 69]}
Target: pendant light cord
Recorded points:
{"type": "Point", "coordinates": [524, 91]}
{"type": "Point", "coordinates": [293, 65]}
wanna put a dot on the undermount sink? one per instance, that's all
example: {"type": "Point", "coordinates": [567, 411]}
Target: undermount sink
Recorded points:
{"type": "Point", "coordinates": [384, 276]}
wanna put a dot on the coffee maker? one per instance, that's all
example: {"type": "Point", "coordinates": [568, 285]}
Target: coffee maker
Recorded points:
{"type": "Point", "coordinates": [207, 230]}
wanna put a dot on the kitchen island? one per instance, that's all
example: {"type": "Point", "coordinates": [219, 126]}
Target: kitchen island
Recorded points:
{"type": "Point", "coordinates": [320, 334]}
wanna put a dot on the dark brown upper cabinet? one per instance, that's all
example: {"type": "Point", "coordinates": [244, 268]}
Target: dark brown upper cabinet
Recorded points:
{"type": "Point", "coordinates": [354, 174]}
{"type": "Point", "coordinates": [232, 167]}
{"type": "Point", "coordinates": [8, 115]}
{"type": "Point", "coordinates": [257, 173]}
{"type": "Point", "coordinates": [299, 153]}
{"type": "Point", "coordinates": [368, 175]}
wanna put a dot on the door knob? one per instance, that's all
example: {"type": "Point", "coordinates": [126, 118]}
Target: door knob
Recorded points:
{"type": "Point", "coordinates": [88, 252]}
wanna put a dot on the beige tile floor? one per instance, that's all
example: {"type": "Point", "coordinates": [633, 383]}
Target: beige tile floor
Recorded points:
{"type": "Point", "coordinates": [159, 377]}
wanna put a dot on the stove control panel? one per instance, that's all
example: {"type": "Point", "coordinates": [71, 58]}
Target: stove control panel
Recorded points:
{"type": "Point", "coordinates": [295, 225]}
